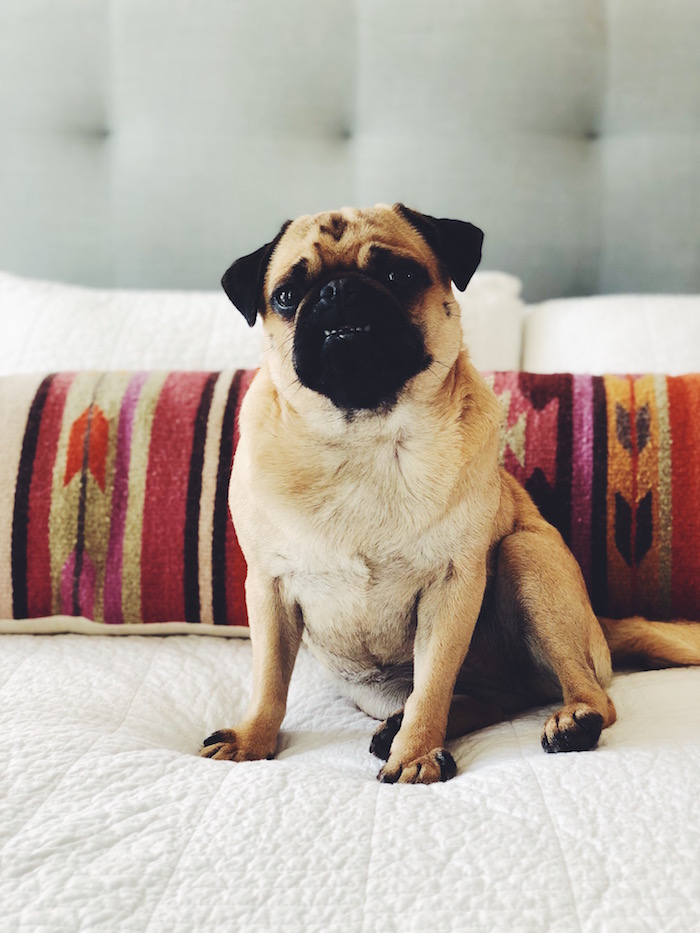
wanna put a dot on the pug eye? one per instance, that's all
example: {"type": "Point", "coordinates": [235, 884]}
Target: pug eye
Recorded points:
{"type": "Point", "coordinates": [400, 276]}
{"type": "Point", "coordinates": [285, 299]}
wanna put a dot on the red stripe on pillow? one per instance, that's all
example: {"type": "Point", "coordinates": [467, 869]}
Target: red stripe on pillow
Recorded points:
{"type": "Point", "coordinates": [164, 517]}
{"type": "Point", "coordinates": [684, 404]}
{"type": "Point", "coordinates": [39, 586]}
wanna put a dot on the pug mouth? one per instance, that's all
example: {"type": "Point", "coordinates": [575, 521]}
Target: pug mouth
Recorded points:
{"type": "Point", "coordinates": [348, 330]}
{"type": "Point", "coordinates": [356, 345]}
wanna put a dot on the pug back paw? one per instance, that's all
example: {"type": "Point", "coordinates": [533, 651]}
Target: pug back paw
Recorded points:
{"type": "Point", "coordinates": [438, 765]}
{"type": "Point", "coordinates": [232, 745]}
{"type": "Point", "coordinates": [385, 735]}
{"type": "Point", "coordinates": [574, 728]}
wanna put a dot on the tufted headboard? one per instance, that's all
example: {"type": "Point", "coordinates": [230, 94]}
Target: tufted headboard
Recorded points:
{"type": "Point", "coordinates": [148, 142]}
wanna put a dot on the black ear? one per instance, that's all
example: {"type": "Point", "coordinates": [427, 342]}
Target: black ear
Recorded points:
{"type": "Point", "coordinates": [243, 281]}
{"type": "Point", "coordinates": [456, 242]}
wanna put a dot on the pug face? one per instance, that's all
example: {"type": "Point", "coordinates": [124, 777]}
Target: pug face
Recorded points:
{"type": "Point", "coordinates": [357, 304]}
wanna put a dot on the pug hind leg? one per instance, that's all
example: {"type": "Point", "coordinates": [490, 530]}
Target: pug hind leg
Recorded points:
{"type": "Point", "coordinates": [466, 715]}
{"type": "Point", "coordinates": [540, 581]}
{"type": "Point", "coordinates": [384, 736]}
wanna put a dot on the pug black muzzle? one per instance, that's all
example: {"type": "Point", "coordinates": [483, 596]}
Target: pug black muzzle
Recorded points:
{"type": "Point", "coordinates": [355, 343]}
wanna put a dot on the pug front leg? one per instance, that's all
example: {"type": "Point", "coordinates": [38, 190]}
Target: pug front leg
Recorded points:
{"type": "Point", "coordinates": [447, 614]}
{"type": "Point", "coordinates": [275, 633]}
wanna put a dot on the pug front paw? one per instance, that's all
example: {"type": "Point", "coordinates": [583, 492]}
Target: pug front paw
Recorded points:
{"type": "Point", "coordinates": [235, 745]}
{"type": "Point", "coordinates": [437, 765]}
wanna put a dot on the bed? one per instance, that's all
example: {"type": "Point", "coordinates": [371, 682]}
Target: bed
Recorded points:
{"type": "Point", "coordinates": [110, 821]}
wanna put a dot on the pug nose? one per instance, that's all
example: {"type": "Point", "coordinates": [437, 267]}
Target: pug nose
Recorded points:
{"type": "Point", "coordinates": [338, 290]}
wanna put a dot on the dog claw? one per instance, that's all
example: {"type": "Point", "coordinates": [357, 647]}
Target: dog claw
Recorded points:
{"type": "Point", "coordinates": [448, 766]}
{"type": "Point", "coordinates": [214, 738]}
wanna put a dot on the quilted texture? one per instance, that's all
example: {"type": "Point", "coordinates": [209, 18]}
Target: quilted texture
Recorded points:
{"type": "Point", "coordinates": [113, 492]}
{"type": "Point", "coordinates": [109, 822]}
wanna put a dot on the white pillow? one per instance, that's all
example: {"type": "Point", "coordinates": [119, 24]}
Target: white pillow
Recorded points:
{"type": "Point", "coordinates": [492, 320]}
{"type": "Point", "coordinates": [614, 334]}
{"type": "Point", "coordinates": [47, 326]}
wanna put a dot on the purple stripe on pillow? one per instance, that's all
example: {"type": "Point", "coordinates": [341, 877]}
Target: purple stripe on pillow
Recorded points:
{"type": "Point", "coordinates": [78, 583]}
{"type": "Point", "coordinates": [599, 499]}
{"type": "Point", "coordinates": [120, 498]}
{"type": "Point", "coordinates": [582, 477]}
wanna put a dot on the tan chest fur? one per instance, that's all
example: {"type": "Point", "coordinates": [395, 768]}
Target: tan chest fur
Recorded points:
{"type": "Point", "coordinates": [358, 516]}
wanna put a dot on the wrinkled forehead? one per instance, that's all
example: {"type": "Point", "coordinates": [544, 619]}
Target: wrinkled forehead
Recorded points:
{"type": "Point", "coordinates": [346, 239]}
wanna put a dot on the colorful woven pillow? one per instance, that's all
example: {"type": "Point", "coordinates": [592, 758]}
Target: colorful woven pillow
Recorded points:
{"type": "Point", "coordinates": [113, 494]}
{"type": "Point", "coordinates": [114, 502]}
{"type": "Point", "coordinates": [614, 463]}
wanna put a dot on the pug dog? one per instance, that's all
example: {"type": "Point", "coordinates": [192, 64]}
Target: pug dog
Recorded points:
{"type": "Point", "coordinates": [375, 520]}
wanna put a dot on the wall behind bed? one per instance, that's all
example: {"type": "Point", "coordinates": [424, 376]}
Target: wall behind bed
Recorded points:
{"type": "Point", "coordinates": [148, 143]}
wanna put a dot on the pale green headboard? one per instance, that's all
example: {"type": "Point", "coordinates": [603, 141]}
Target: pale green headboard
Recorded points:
{"type": "Point", "coordinates": [148, 142]}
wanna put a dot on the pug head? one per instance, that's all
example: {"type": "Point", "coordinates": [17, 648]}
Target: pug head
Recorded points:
{"type": "Point", "coordinates": [357, 304]}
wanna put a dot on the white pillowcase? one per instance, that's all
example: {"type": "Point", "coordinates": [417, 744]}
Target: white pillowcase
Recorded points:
{"type": "Point", "coordinates": [51, 327]}
{"type": "Point", "coordinates": [614, 334]}
{"type": "Point", "coordinates": [492, 320]}
{"type": "Point", "coordinates": [47, 326]}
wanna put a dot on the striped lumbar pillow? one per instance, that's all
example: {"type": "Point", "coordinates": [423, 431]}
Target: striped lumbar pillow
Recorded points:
{"type": "Point", "coordinates": [113, 494]}
{"type": "Point", "coordinates": [113, 501]}
{"type": "Point", "coordinates": [613, 462]}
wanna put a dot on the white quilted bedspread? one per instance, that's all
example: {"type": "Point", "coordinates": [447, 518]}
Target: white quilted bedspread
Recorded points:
{"type": "Point", "coordinates": [110, 822]}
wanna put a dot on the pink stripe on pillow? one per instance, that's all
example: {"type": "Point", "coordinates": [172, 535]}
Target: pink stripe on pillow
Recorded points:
{"type": "Point", "coordinates": [86, 585]}
{"type": "Point", "coordinates": [582, 469]}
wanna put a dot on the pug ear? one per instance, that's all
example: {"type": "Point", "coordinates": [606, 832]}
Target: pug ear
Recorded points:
{"type": "Point", "coordinates": [456, 242]}
{"type": "Point", "coordinates": [243, 281]}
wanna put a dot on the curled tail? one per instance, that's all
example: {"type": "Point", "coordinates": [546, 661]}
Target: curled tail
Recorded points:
{"type": "Point", "coordinates": [637, 642]}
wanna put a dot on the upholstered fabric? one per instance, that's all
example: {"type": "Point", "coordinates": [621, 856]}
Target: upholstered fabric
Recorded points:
{"type": "Point", "coordinates": [147, 144]}
{"type": "Point", "coordinates": [113, 493]}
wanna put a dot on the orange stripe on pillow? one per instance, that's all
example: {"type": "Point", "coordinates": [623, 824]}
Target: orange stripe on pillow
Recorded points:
{"type": "Point", "coordinates": [665, 511]}
{"type": "Point", "coordinates": [621, 495]}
